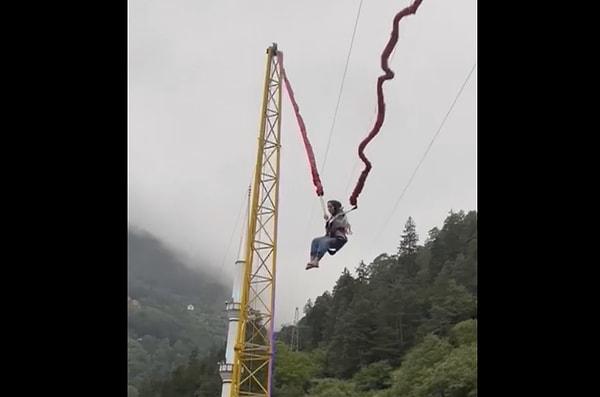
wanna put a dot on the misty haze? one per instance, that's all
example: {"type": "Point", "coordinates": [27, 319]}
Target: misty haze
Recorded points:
{"type": "Point", "coordinates": [196, 82]}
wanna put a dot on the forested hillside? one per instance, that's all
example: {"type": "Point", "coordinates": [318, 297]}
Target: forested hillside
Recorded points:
{"type": "Point", "coordinates": [172, 310]}
{"type": "Point", "coordinates": [403, 325]}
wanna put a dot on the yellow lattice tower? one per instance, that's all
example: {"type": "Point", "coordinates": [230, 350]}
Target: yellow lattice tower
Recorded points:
{"type": "Point", "coordinates": [252, 367]}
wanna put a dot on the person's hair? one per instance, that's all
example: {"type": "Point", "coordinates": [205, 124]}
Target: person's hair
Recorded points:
{"type": "Point", "coordinates": [337, 206]}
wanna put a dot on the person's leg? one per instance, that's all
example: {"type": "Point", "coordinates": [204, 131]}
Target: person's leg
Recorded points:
{"type": "Point", "coordinates": [314, 247]}
{"type": "Point", "coordinates": [321, 245]}
{"type": "Point", "coordinates": [316, 251]}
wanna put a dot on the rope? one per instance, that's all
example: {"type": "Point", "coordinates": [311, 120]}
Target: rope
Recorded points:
{"type": "Point", "coordinates": [337, 106]}
{"type": "Point", "coordinates": [309, 151]}
{"type": "Point", "coordinates": [336, 113]}
{"type": "Point", "coordinates": [348, 190]}
{"type": "Point", "coordinates": [382, 228]}
{"type": "Point", "coordinates": [389, 74]}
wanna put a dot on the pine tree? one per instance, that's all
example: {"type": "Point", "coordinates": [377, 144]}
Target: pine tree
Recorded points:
{"type": "Point", "coordinates": [431, 236]}
{"type": "Point", "coordinates": [410, 238]}
{"type": "Point", "coordinates": [363, 272]}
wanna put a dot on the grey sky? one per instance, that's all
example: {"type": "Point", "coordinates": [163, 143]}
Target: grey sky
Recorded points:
{"type": "Point", "coordinates": [195, 82]}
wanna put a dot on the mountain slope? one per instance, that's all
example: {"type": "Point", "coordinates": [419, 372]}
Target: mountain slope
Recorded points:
{"type": "Point", "coordinates": [172, 309]}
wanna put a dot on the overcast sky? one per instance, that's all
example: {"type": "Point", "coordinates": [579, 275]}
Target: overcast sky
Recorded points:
{"type": "Point", "coordinates": [196, 71]}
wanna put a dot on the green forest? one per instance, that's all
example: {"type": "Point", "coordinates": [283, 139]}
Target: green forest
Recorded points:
{"type": "Point", "coordinates": [162, 330]}
{"type": "Point", "coordinates": [403, 325]}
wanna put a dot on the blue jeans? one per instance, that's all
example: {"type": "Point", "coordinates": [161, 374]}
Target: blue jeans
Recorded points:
{"type": "Point", "coordinates": [320, 245]}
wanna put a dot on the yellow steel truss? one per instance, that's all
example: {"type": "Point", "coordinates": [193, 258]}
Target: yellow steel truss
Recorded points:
{"type": "Point", "coordinates": [252, 367]}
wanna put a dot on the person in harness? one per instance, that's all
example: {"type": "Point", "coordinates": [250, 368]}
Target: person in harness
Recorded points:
{"type": "Point", "coordinates": [337, 229]}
